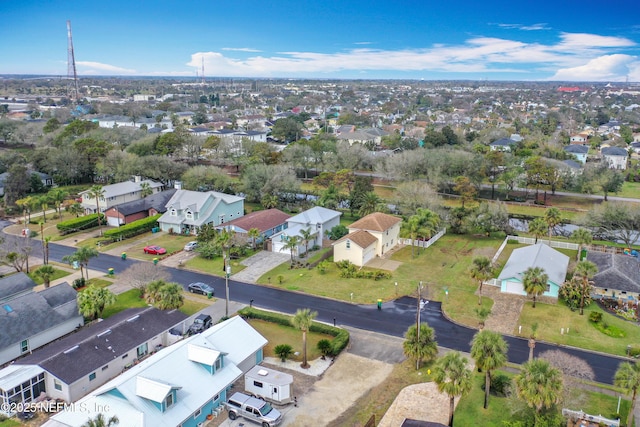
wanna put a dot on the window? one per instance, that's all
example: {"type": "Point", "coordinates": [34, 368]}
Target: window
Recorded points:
{"type": "Point", "coordinates": [168, 401]}
{"type": "Point", "coordinates": [197, 413]}
{"type": "Point", "coordinates": [189, 215]}
{"type": "Point", "coordinates": [105, 367]}
{"type": "Point", "coordinates": [548, 287]}
{"type": "Point", "coordinates": [173, 212]}
{"type": "Point", "coordinates": [257, 384]}
{"type": "Point", "coordinates": [216, 397]}
{"type": "Point", "coordinates": [57, 385]}
{"type": "Point", "coordinates": [125, 356]}
{"type": "Point", "coordinates": [143, 350]}
{"type": "Point", "coordinates": [219, 363]}
{"type": "Point", "coordinates": [24, 346]}
{"type": "Point", "coordinates": [92, 376]}
{"type": "Point", "coordinates": [348, 244]}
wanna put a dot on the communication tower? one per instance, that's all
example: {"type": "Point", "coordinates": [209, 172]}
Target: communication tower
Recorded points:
{"type": "Point", "coordinates": [72, 74]}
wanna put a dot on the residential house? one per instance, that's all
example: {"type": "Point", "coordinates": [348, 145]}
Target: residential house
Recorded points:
{"type": "Point", "coordinates": [579, 151]}
{"type": "Point", "coordinates": [502, 144]}
{"type": "Point", "coordinates": [553, 263]}
{"type": "Point", "coordinates": [179, 385]}
{"type": "Point", "coordinates": [119, 193]}
{"type": "Point", "coordinates": [618, 276]}
{"type": "Point", "coordinates": [370, 236]}
{"type": "Point", "coordinates": [187, 210]}
{"type": "Point", "coordinates": [579, 139]}
{"type": "Point", "coordinates": [268, 222]}
{"type": "Point", "coordinates": [29, 319]}
{"type": "Point", "coordinates": [128, 212]}
{"type": "Point", "coordinates": [317, 220]}
{"type": "Point", "coordinates": [615, 157]}
{"type": "Point", "coordinates": [106, 348]}
{"type": "Point", "coordinates": [46, 179]}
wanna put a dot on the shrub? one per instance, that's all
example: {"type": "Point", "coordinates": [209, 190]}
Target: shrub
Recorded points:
{"type": "Point", "coordinates": [133, 229]}
{"type": "Point", "coordinates": [283, 351]}
{"type": "Point", "coordinates": [595, 317]}
{"type": "Point", "coordinates": [79, 283]}
{"type": "Point", "coordinates": [325, 347]}
{"type": "Point", "coordinates": [80, 223]}
{"type": "Point", "coordinates": [634, 350]}
{"type": "Point", "coordinates": [500, 385]}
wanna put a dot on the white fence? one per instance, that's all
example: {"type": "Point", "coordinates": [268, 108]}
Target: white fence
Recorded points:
{"type": "Point", "coordinates": [580, 415]}
{"type": "Point", "coordinates": [424, 243]}
{"type": "Point", "coordinates": [554, 244]}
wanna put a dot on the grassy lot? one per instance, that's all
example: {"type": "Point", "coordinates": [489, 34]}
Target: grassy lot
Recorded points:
{"type": "Point", "coordinates": [191, 307]}
{"type": "Point", "coordinates": [56, 275]}
{"type": "Point", "coordinates": [131, 299]}
{"type": "Point", "coordinates": [279, 334]}
{"type": "Point", "coordinates": [551, 318]}
{"type": "Point", "coordinates": [171, 242]}
{"type": "Point", "coordinates": [216, 266]}
{"type": "Point", "coordinates": [10, 423]}
{"type": "Point", "coordinates": [630, 189]}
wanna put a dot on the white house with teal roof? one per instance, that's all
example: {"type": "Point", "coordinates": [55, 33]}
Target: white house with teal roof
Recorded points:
{"type": "Point", "coordinates": [553, 263]}
{"type": "Point", "coordinates": [187, 210]}
{"type": "Point", "coordinates": [178, 386]}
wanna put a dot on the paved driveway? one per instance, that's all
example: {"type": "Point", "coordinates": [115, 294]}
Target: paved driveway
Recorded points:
{"type": "Point", "coordinates": [259, 264]}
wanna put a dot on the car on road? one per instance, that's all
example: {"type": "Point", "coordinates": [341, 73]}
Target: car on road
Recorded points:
{"type": "Point", "coordinates": [200, 288]}
{"type": "Point", "coordinates": [154, 250]}
{"type": "Point", "coordinates": [201, 323]}
{"type": "Point", "coordinates": [190, 246]}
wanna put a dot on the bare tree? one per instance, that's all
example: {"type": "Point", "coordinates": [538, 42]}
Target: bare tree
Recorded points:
{"type": "Point", "coordinates": [574, 370]}
{"type": "Point", "coordinates": [139, 275]}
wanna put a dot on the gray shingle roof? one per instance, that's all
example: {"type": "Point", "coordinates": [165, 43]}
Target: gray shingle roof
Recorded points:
{"type": "Point", "coordinates": [156, 201]}
{"type": "Point", "coordinates": [617, 272]}
{"type": "Point", "coordinates": [129, 329]}
{"type": "Point", "coordinates": [553, 262]}
{"type": "Point", "coordinates": [15, 284]}
{"type": "Point", "coordinates": [577, 149]}
{"type": "Point", "coordinates": [614, 151]}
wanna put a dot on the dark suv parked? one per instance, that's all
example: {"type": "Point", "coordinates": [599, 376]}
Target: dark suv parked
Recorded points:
{"type": "Point", "coordinates": [201, 323]}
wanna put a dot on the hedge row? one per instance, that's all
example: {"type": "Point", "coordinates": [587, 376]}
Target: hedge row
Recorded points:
{"type": "Point", "coordinates": [80, 223]}
{"type": "Point", "coordinates": [340, 336]}
{"type": "Point", "coordinates": [133, 229]}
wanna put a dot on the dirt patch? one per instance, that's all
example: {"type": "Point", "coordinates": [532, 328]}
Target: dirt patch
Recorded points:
{"type": "Point", "coordinates": [489, 252]}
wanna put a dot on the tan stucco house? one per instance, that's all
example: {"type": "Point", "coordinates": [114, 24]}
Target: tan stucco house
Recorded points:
{"type": "Point", "coordinates": [370, 236]}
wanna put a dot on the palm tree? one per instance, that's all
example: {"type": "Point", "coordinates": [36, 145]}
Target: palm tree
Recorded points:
{"type": "Point", "coordinates": [627, 377]}
{"type": "Point", "coordinates": [535, 282]}
{"type": "Point", "coordinates": [291, 245]}
{"type": "Point", "coordinates": [419, 348]}
{"type": "Point", "coordinates": [152, 291]}
{"type": "Point", "coordinates": [539, 384]}
{"type": "Point", "coordinates": [57, 196]}
{"type": "Point", "coordinates": [582, 237]}
{"type": "Point", "coordinates": [409, 229]}
{"type": "Point", "coordinates": [145, 189]}
{"type": "Point", "coordinates": [170, 296]}
{"type": "Point", "coordinates": [532, 340]}
{"type": "Point", "coordinates": [75, 209]}
{"type": "Point", "coordinates": [453, 377]}
{"type": "Point", "coordinates": [254, 234]}
{"type": "Point", "coordinates": [82, 255]}
{"type": "Point", "coordinates": [302, 320]}
{"type": "Point", "coordinates": [481, 271]}
{"type": "Point", "coordinates": [538, 227]}
{"type": "Point", "coordinates": [489, 350]}
{"type": "Point", "coordinates": [269, 201]}
{"type": "Point", "coordinates": [45, 272]}
{"type": "Point", "coordinates": [97, 192]}
{"type": "Point", "coordinates": [43, 203]}
{"type": "Point", "coordinates": [429, 222]}
{"type": "Point", "coordinates": [93, 300]}
{"type": "Point", "coordinates": [101, 421]}
{"type": "Point", "coordinates": [552, 217]}
{"type": "Point", "coordinates": [25, 204]}
{"type": "Point", "coordinates": [306, 238]}
{"type": "Point", "coordinates": [369, 203]}
{"type": "Point", "coordinates": [223, 241]}
{"type": "Point", "coordinates": [585, 270]}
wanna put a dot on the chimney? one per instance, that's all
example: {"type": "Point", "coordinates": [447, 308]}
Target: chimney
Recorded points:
{"type": "Point", "coordinates": [137, 178]}
{"type": "Point", "coordinates": [177, 185]}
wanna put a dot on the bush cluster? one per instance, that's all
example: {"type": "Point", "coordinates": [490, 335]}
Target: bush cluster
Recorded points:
{"type": "Point", "coordinates": [340, 336]}
{"type": "Point", "coordinates": [133, 229]}
{"type": "Point", "coordinates": [349, 270]}
{"type": "Point", "coordinates": [80, 223]}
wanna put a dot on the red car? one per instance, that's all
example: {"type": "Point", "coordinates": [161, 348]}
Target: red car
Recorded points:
{"type": "Point", "coordinates": [154, 250]}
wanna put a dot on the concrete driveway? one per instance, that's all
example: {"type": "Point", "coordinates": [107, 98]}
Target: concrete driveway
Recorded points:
{"type": "Point", "coordinates": [259, 264]}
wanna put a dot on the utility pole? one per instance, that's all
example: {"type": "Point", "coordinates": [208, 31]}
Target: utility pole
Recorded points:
{"type": "Point", "coordinates": [418, 322]}
{"type": "Point", "coordinates": [227, 273]}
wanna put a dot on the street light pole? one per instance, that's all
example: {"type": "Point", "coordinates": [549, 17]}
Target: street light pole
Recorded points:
{"type": "Point", "coordinates": [227, 272]}
{"type": "Point", "coordinates": [418, 323]}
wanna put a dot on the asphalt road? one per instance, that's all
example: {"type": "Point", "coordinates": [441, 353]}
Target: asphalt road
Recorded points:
{"type": "Point", "coordinates": [393, 319]}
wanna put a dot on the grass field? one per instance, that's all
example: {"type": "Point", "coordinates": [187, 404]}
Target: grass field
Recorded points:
{"type": "Point", "coordinates": [131, 299]}
{"type": "Point", "coordinates": [56, 275]}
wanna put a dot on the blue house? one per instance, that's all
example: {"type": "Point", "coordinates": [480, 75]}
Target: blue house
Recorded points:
{"type": "Point", "coordinates": [553, 263]}
{"type": "Point", "coordinates": [178, 386]}
{"type": "Point", "coordinates": [579, 151]}
{"type": "Point", "coordinates": [187, 210]}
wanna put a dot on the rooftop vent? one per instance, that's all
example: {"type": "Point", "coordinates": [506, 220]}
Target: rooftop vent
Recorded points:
{"type": "Point", "coordinates": [75, 347]}
{"type": "Point", "coordinates": [263, 372]}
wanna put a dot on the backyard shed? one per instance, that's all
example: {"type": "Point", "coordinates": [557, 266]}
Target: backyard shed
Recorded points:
{"type": "Point", "coordinates": [269, 384]}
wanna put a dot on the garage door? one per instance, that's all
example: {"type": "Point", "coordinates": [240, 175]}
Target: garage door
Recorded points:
{"type": "Point", "coordinates": [112, 221]}
{"type": "Point", "coordinates": [514, 288]}
{"type": "Point", "coordinates": [368, 255]}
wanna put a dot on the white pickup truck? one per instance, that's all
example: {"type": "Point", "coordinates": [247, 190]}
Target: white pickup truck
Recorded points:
{"type": "Point", "coordinates": [253, 409]}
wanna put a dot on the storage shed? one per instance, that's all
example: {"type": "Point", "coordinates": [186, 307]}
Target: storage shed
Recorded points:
{"type": "Point", "coordinates": [269, 384]}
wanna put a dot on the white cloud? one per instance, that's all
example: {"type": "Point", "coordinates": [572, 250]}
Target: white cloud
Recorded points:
{"type": "Point", "coordinates": [241, 49]}
{"type": "Point", "coordinates": [89, 67]}
{"type": "Point", "coordinates": [532, 27]}
{"type": "Point", "coordinates": [605, 68]}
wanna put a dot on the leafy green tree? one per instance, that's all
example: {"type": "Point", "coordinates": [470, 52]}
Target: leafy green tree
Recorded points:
{"type": "Point", "coordinates": [57, 196]}
{"type": "Point", "coordinates": [330, 198]}
{"type": "Point", "coordinates": [338, 232]}
{"type": "Point", "coordinates": [585, 270]}
{"type": "Point", "coordinates": [302, 321]}
{"type": "Point", "coordinates": [539, 385]}
{"type": "Point", "coordinates": [46, 273]}
{"type": "Point", "coordinates": [93, 300]}
{"type": "Point", "coordinates": [466, 190]}
{"type": "Point", "coordinates": [627, 377]}
{"type": "Point", "coordinates": [489, 350]}
{"type": "Point", "coordinates": [51, 125]}
{"type": "Point", "coordinates": [361, 186]}
{"type": "Point", "coordinates": [101, 421]}
{"type": "Point", "coordinates": [552, 217]}
{"type": "Point", "coordinates": [582, 237]}
{"type": "Point", "coordinates": [453, 377]}
{"type": "Point", "coordinates": [287, 130]}
{"type": "Point", "coordinates": [145, 189]}
{"type": "Point", "coordinates": [409, 229]}
{"type": "Point", "coordinates": [491, 217]}
{"type": "Point", "coordinates": [481, 270]}
{"type": "Point", "coordinates": [74, 209]}
{"type": "Point", "coordinates": [535, 282]}
{"type": "Point", "coordinates": [420, 347]}
{"type": "Point", "coordinates": [369, 204]}
{"type": "Point", "coordinates": [493, 162]}
{"type": "Point", "coordinates": [16, 184]}
{"type": "Point", "coordinates": [97, 192]}
{"type": "Point", "coordinates": [538, 227]}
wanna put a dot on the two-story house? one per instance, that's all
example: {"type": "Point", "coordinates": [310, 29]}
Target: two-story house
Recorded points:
{"type": "Point", "coordinates": [317, 221]}
{"type": "Point", "coordinates": [115, 194]}
{"type": "Point", "coordinates": [137, 209]}
{"type": "Point", "coordinates": [579, 151]}
{"type": "Point", "coordinates": [615, 157]}
{"type": "Point", "coordinates": [372, 235]}
{"type": "Point", "coordinates": [179, 385]}
{"type": "Point", "coordinates": [268, 222]}
{"type": "Point", "coordinates": [29, 319]}
{"type": "Point", "coordinates": [105, 349]}
{"type": "Point", "coordinates": [188, 210]}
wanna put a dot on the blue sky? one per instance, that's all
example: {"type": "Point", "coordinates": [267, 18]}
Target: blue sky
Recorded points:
{"type": "Point", "coordinates": [564, 40]}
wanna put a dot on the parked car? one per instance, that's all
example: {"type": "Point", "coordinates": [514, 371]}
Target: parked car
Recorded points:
{"type": "Point", "coordinates": [154, 250]}
{"type": "Point", "coordinates": [200, 288]}
{"type": "Point", "coordinates": [190, 246]}
{"type": "Point", "coordinates": [200, 323]}
{"type": "Point", "coordinates": [253, 409]}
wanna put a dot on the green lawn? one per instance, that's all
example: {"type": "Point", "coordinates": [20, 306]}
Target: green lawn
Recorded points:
{"type": "Point", "coordinates": [630, 189]}
{"type": "Point", "coordinates": [279, 334]}
{"type": "Point", "coordinates": [56, 275]}
{"type": "Point", "coordinates": [10, 423]}
{"type": "Point", "coordinates": [215, 266]}
{"type": "Point", "coordinates": [551, 318]}
{"type": "Point", "coordinates": [131, 299]}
